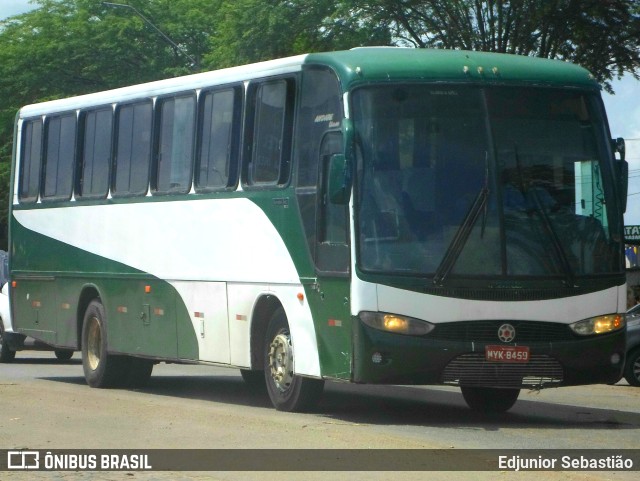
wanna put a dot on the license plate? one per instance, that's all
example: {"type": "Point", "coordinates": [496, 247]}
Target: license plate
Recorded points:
{"type": "Point", "coordinates": [506, 353]}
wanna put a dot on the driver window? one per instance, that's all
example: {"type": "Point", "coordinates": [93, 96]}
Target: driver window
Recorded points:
{"type": "Point", "coordinates": [333, 251]}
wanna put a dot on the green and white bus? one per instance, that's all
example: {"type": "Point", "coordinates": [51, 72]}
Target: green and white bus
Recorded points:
{"type": "Point", "coordinates": [378, 215]}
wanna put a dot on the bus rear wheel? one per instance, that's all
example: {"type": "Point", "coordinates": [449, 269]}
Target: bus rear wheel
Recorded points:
{"type": "Point", "coordinates": [287, 391]}
{"type": "Point", "coordinates": [488, 399]}
{"type": "Point", "coordinates": [101, 369]}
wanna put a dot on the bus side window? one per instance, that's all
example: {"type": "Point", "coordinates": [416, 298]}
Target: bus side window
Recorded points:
{"type": "Point", "coordinates": [272, 131]}
{"type": "Point", "coordinates": [219, 124]}
{"type": "Point", "coordinates": [31, 161]}
{"type": "Point", "coordinates": [59, 157]}
{"type": "Point", "coordinates": [93, 171]}
{"type": "Point", "coordinates": [175, 144]}
{"type": "Point", "coordinates": [133, 149]}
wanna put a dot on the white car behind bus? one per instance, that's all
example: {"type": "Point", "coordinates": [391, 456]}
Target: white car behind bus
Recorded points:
{"type": "Point", "coordinates": [6, 355]}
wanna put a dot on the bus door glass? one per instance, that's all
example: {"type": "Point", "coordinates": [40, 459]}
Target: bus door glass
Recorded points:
{"type": "Point", "coordinates": [318, 137]}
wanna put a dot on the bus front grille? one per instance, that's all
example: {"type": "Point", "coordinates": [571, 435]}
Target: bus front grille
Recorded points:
{"type": "Point", "coordinates": [487, 331]}
{"type": "Point", "coordinates": [473, 370]}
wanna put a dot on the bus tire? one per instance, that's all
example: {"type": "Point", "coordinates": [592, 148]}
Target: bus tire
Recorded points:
{"type": "Point", "coordinates": [139, 372]}
{"type": "Point", "coordinates": [101, 369]}
{"type": "Point", "coordinates": [488, 399]}
{"type": "Point", "coordinates": [6, 354]}
{"type": "Point", "coordinates": [63, 354]}
{"type": "Point", "coordinates": [287, 391]}
{"type": "Point", "coordinates": [632, 368]}
{"type": "Point", "coordinates": [253, 379]}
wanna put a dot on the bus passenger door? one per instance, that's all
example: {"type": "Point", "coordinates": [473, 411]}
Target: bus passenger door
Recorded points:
{"type": "Point", "coordinates": [330, 296]}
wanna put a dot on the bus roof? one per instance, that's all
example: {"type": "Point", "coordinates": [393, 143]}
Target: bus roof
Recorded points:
{"type": "Point", "coordinates": [379, 64]}
{"type": "Point", "coordinates": [163, 87]}
{"type": "Point", "coordinates": [356, 67]}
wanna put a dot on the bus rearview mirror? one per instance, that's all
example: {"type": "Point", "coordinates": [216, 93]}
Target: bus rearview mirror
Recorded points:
{"type": "Point", "coordinates": [622, 167]}
{"type": "Point", "coordinates": [623, 180]}
{"type": "Point", "coordinates": [339, 179]}
{"type": "Point", "coordinates": [619, 146]}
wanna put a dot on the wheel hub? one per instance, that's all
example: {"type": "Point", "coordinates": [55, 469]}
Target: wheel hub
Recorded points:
{"type": "Point", "coordinates": [281, 361]}
{"type": "Point", "coordinates": [94, 342]}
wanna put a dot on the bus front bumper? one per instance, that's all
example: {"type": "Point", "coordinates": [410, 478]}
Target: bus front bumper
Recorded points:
{"type": "Point", "coordinates": [386, 358]}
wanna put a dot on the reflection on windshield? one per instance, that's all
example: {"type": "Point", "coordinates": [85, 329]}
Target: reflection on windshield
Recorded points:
{"type": "Point", "coordinates": [537, 156]}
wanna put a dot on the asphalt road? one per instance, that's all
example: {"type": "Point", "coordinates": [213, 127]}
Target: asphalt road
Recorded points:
{"type": "Point", "coordinates": [45, 404]}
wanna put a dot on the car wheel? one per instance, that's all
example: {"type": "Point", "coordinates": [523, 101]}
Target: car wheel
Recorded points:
{"type": "Point", "coordinates": [632, 368]}
{"type": "Point", "coordinates": [6, 354]}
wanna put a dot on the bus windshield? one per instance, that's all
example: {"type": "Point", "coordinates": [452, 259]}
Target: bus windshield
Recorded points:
{"type": "Point", "coordinates": [463, 181]}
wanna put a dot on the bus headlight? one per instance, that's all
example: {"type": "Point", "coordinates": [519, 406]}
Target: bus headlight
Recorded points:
{"type": "Point", "coordinates": [396, 324]}
{"type": "Point", "coordinates": [598, 325]}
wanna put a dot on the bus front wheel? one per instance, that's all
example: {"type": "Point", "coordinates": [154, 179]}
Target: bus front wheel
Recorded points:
{"type": "Point", "coordinates": [488, 399]}
{"type": "Point", "coordinates": [101, 369]}
{"type": "Point", "coordinates": [287, 391]}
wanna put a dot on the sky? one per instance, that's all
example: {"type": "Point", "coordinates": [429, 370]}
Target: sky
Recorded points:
{"type": "Point", "coordinates": [9, 8]}
{"type": "Point", "coordinates": [623, 111]}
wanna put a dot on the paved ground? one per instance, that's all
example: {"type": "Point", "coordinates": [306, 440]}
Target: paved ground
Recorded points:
{"type": "Point", "coordinates": [47, 405]}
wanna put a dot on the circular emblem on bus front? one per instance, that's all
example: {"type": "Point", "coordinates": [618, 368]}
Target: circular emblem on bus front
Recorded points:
{"type": "Point", "coordinates": [506, 333]}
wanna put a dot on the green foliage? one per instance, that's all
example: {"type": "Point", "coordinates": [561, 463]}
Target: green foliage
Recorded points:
{"type": "Point", "coordinates": [254, 30]}
{"type": "Point", "coordinates": [4, 203]}
{"type": "Point", "coordinates": [71, 47]}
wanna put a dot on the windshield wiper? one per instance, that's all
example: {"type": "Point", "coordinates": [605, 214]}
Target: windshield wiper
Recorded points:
{"type": "Point", "coordinates": [462, 234]}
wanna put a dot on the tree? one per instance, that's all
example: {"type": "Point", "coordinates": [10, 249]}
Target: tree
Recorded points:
{"type": "Point", "coordinates": [71, 47]}
{"type": "Point", "coordinates": [255, 30]}
{"type": "Point", "coordinates": [4, 204]}
{"type": "Point", "coordinates": [601, 35]}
